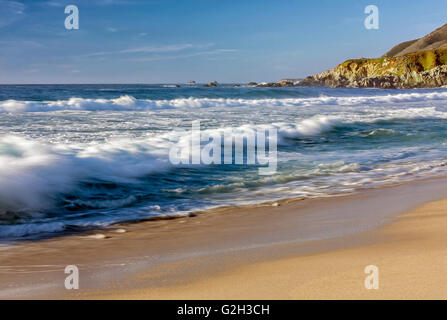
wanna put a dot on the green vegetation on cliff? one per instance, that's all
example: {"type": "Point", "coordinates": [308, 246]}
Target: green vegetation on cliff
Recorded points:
{"type": "Point", "coordinates": [419, 63]}
{"type": "Point", "coordinates": [416, 61]}
{"type": "Point", "coordinates": [417, 69]}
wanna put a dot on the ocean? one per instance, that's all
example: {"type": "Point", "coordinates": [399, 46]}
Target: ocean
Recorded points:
{"type": "Point", "coordinates": [77, 157]}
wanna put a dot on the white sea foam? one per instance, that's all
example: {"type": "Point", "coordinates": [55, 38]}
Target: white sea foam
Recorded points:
{"type": "Point", "coordinates": [30, 173]}
{"type": "Point", "coordinates": [129, 103]}
{"type": "Point", "coordinates": [29, 168]}
{"type": "Point", "coordinates": [33, 174]}
{"type": "Point", "coordinates": [58, 152]}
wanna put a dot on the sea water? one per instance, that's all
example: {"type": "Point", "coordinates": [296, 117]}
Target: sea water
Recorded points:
{"type": "Point", "coordinates": [74, 157]}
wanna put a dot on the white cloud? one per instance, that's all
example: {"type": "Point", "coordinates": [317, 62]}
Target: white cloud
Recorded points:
{"type": "Point", "coordinates": [32, 70]}
{"type": "Point", "coordinates": [169, 48]}
{"type": "Point", "coordinates": [190, 55]}
{"type": "Point", "coordinates": [151, 49]}
{"type": "Point", "coordinates": [53, 4]}
{"type": "Point", "coordinates": [165, 52]}
{"type": "Point", "coordinates": [111, 2]}
{"type": "Point", "coordinates": [21, 43]}
{"type": "Point", "coordinates": [63, 3]}
{"type": "Point", "coordinates": [10, 12]}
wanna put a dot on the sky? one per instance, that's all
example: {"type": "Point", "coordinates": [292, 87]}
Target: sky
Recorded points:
{"type": "Point", "coordinates": [165, 41]}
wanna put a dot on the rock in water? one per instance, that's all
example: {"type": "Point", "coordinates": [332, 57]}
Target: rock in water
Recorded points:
{"type": "Point", "coordinates": [211, 84]}
{"type": "Point", "coordinates": [289, 82]}
{"type": "Point", "coordinates": [268, 85]}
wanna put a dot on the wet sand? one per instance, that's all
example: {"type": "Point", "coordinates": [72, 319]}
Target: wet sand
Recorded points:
{"type": "Point", "coordinates": [308, 249]}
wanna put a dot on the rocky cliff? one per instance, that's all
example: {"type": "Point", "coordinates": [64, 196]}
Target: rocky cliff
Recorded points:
{"type": "Point", "coordinates": [419, 63]}
{"type": "Point", "coordinates": [425, 69]}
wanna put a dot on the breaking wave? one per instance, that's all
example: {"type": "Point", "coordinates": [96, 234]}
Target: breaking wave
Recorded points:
{"type": "Point", "coordinates": [129, 103]}
{"type": "Point", "coordinates": [33, 174]}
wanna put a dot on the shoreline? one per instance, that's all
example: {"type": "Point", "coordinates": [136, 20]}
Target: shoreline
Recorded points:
{"type": "Point", "coordinates": [213, 210]}
{"type": "Point", "coordinates": [409, 254]}
{"type": "Point", "coordinates": [170, 253]}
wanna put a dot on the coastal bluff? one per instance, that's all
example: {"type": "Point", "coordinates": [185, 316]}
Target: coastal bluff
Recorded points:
{"type": "Point", "coordinates": [426, 69]}
{"type": "Point", "coordinates": [419, 63]}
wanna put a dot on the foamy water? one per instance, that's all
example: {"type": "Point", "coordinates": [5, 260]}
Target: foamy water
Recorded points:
{"type": "Point", "coordinates": [76, 157]}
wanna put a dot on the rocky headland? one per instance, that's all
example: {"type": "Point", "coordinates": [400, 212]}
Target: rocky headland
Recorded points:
{"type": "Point", "coordinates": [419, 63]}
{"type": "Point", "coordinates": [426, 69]}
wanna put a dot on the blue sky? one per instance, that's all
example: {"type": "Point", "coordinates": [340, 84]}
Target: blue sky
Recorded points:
{"type": "Point", "coordinates": [158, 41]}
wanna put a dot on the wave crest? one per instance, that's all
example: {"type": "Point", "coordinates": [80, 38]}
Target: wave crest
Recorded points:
{"type": "Point", "coordinates": [129, 103]}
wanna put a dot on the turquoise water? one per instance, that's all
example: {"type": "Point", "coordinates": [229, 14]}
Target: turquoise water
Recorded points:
{"type": "Point", "coordinates": [74, 157]}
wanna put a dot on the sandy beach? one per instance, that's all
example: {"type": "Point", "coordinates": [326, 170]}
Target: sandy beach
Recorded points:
{"type": "Point", "coordinates": [311, 249]}
{"type": "Point", "coordinates": [411, 261]}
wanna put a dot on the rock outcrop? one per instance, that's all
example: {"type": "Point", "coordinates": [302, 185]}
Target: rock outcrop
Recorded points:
{"type": "Point", "coordinates": [289, 82]}
{"type": "Point", "coordinates": [268, 85]}
{"type": "Point", "coordinates": [419, 63]}
{"type": "Point", "coordinates": [211, 84]}
{"type": "Point", "coordinates": [426, 69]}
